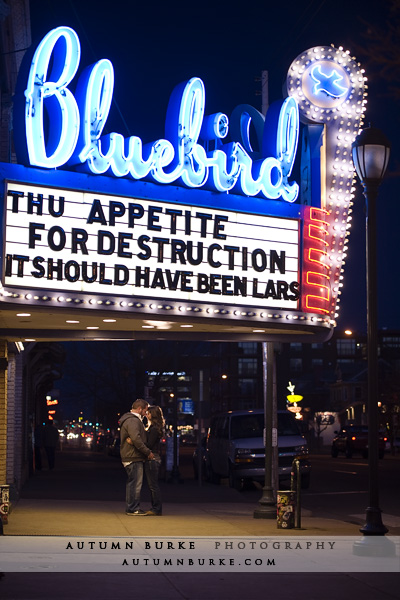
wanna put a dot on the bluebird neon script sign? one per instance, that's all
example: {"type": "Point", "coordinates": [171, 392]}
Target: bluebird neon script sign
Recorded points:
{"type": "Point", "coordinates": [65, 129]}
{"type": "Point", "coordinates": [328, 83]}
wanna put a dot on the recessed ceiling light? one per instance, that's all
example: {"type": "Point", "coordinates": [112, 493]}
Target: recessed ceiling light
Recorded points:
{"type": "Point", "coordinates": [109, 320]}
{"type": "Point", "coordinates": [157, 324]}
{"type": "Point", "coordinates": [92, 328]}
{"type": "Point", "coordinates": [23, 314]}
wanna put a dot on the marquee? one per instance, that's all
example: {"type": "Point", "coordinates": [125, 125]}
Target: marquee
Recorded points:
{"type": "Point", "coordinates": [241, 220]}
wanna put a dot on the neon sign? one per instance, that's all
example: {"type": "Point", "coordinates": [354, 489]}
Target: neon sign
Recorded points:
{"type": "Point", "coordinates": [51, 402]}
{"type": "Point", "coordinates": [328, 83]}
{"type": "Point", "coordinates": [335, 107]}
{"type": "Point", "coordinates": [193, 153]}
{"type": "Point", "coordinates": [131, 242]}
{"type": "Point", "coordinates": [316, 275]}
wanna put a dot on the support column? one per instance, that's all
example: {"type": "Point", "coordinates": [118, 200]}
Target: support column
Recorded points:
{"type": "Point", "coordinates": [4, 488]}
{"type": "Point", "coordinates": [267, 504]}
{"type": "Point", "coordinates": [10, 461]}
{"type": "Point", "coordinates": [3, 411]}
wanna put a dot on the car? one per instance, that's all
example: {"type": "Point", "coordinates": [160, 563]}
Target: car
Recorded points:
{"type": "Point", "coordinates": [396, 445]}
{"type": "Point", "coordinates": [236, 448]}
{"type": "Point", "coordinates": [353, 439]}
{"type": "Point", "coordinates": [99, 442]}
{"type": "Point", "coordinates": [188, 439]}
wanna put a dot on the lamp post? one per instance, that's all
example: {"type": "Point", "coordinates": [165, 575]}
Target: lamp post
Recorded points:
{"type": "Point", "coordinates": [371, 152]}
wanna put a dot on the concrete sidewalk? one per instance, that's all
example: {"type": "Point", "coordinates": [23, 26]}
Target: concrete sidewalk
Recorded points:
{"type": "Point", "coordinates": [84, 496]}
{"type": "Point", "coordinates": [107, 518]}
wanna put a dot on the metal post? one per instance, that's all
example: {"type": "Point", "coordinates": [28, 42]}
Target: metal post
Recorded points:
{"type": "Point", "coordinates": [373, 525]}
{"type": "Point", "coordinates": [275, 449]}
{"type": "Point", "coordinates": [199, 438]}
{"type": "Point", "coordinates": [267, 508]}
{"type": "Point", "coordinates": [175, 473]}
{"type": "Point", "coordinates": [295, 475]}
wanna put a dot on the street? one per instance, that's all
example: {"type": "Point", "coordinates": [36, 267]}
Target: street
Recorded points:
{"type": "Point", "coordinates": [339, 487]}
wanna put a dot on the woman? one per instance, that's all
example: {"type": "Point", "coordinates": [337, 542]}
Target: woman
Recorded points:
{"type": "Point", "coordinates": [155, 432]}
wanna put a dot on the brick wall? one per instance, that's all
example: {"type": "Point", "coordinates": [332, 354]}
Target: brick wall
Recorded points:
{"type": "Point", "coordinates": [16, 436]}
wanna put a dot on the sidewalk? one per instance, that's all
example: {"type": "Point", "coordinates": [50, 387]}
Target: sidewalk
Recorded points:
{"type": "Point", "coordinates": [84, 496]}
{"type": "Point", "coordinates": [102, 518]}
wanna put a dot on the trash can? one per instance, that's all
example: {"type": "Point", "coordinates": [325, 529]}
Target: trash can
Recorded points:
{"type": "Point", "coordinates": [286, 507]}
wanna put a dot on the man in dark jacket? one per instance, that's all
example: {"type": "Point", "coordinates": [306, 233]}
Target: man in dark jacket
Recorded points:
{"type": "Point", "coordinates": [134, 452]}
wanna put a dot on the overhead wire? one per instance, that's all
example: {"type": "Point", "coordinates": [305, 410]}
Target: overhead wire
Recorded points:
{"type": "Point", "coordinates": [296, 33]}
{"type": "Point", "coordinates": [85, 35]}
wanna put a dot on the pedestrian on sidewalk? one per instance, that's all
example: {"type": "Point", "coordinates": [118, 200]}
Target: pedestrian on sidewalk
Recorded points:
{"type": "Point", "coordinates": [134, 452]}
{"type": "Point", "coordinates": [50, 441]}
{"type": "Point", "coordinates": [155, 432]}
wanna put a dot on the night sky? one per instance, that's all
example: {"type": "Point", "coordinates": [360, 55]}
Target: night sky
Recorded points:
{"type": "Point", "coordinates": [156, 45]}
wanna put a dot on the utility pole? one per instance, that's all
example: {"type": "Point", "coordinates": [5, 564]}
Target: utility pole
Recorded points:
{"type": "Point", "coordinates": [264, 92]}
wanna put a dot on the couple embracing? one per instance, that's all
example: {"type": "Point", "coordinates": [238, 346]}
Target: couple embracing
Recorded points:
{"type": "Point", "coordinates": [140, 454]}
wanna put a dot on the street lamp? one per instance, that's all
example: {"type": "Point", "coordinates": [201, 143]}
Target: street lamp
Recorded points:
{"type": "Point", "coordinates": [371, 152]}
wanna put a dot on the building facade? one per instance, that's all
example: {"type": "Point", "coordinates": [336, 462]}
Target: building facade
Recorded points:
{"type": "Point", "coordinates": [15, 38]}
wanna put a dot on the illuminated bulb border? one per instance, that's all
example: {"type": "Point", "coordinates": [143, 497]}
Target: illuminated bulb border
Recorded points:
{"type": "Point", "coordinates": [125, 305]}
{"type": "Point", "coordinates": [343, 123]}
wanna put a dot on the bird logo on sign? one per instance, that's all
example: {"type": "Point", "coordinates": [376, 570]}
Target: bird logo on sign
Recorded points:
{"type": "Point", "coordinates": [328, 83]}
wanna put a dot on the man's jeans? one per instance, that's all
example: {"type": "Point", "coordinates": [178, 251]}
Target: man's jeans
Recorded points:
{"type": "Point", "coordinates": [134, 473]}
{"type": "Point", "coordinates": [151, 468]}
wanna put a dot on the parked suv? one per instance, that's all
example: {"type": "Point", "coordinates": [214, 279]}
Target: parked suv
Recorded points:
{"type": "Point", "coordinates": [236, 449]}
{"type": "Point", "coordinates": [354, 438]}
